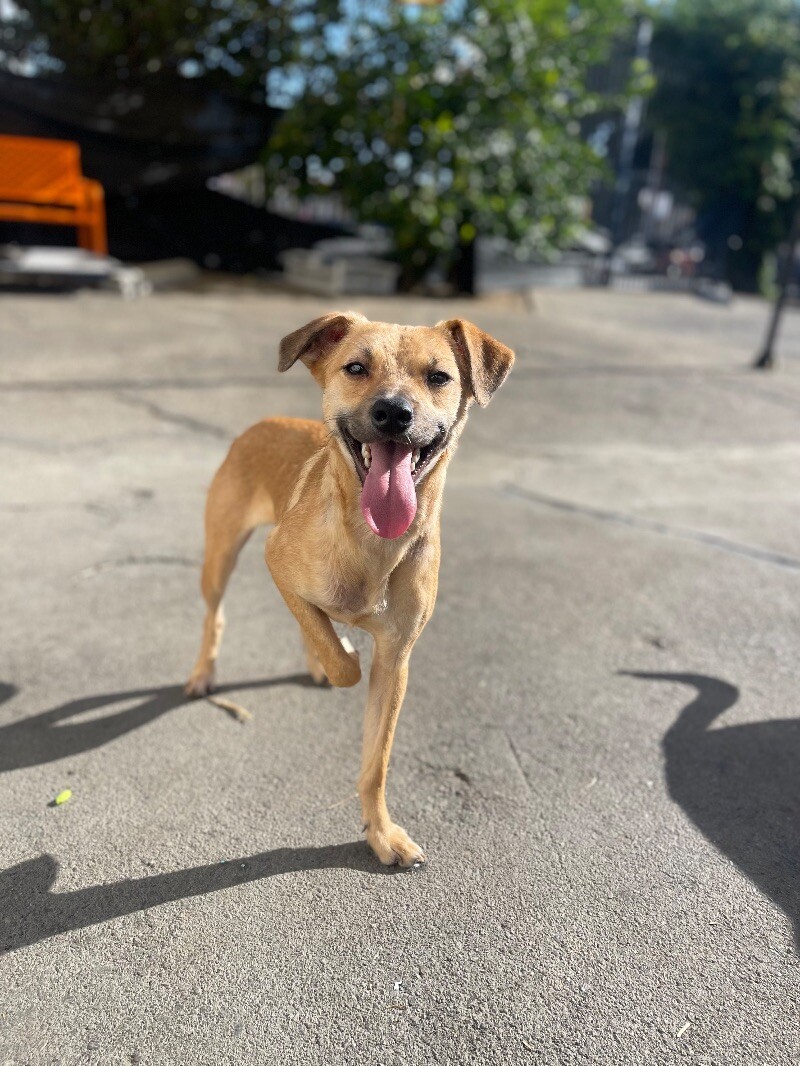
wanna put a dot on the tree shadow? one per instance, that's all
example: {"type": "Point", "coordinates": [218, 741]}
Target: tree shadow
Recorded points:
{"type": "Point", "coordinates": [32, 912]}
{"type": "Point", "coordinates": [53, 735]}
{"type": "Point", "coordinates": [740, 786]}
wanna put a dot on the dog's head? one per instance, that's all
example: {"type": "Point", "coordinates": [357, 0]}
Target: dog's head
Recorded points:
{"type": "Point", "coordinates": [396, 397]}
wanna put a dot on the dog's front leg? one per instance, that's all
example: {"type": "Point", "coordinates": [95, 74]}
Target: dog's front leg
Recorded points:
{"type": "Point", "coordinates": [412, 592]}
{"type": "Point", "coordinates": [387, 686]}
{"type": "Point", "coordinates": [340, 664]}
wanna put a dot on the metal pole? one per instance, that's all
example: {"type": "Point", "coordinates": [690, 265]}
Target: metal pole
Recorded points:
{"type": "Point", "coordinates": [766, 359]}
{"type": "Point", "coordinates": [630, 138]}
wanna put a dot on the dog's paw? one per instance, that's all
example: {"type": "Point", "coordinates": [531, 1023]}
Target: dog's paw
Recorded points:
{"type": "Point", "coordinates": [355, 659]}
{"type": "Point", "coordinates": [345, 670]}
{"type": "Point", "coordinates": [199, 684]}
{"type": "Point", "coordinates": [352, 653]}
{"type": "Point", "coordinates": [394, 847]}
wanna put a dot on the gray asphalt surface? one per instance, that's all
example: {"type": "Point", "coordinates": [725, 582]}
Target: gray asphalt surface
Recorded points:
{"type": "Point", "coordinates": [614, 870]}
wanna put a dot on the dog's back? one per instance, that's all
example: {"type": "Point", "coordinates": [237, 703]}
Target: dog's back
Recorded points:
{"type": "Point", "coordinates": [261, 470]}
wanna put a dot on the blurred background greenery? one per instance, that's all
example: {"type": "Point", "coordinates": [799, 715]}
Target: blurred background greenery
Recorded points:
{"type": "Point", "coordinates": [655, 137]}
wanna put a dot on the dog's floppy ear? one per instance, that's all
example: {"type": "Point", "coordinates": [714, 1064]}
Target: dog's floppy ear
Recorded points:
{"type": "Point", "coordinates": [485, 361]}
{"type": "Point", "coordinates": [317, 338]}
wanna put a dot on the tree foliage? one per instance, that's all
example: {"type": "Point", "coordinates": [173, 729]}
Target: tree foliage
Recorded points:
{"type": "Point", "coordinates": [438, 122]}
{"type": "Point", "coordinates": [447, 122]}
{"type": "Point", "coordinates": [728, 97]}
{"type": "Point", "coordinates": [232, 43]}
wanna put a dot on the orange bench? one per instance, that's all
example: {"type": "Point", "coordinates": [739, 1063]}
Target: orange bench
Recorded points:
{"type": "Point", "coordinates": [41, 181]}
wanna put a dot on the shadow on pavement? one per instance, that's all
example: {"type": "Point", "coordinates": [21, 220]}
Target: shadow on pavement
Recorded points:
{"type": "Point", "coordinates": [31, 912]}
{"type": "Point", "coordinates": [53, 735]}
{"type": "Point", "coordinates": [740, 786]}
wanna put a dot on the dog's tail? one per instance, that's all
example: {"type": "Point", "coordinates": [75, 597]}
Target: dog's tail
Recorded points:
{"type": "Point", "coordinates": [714, 697]}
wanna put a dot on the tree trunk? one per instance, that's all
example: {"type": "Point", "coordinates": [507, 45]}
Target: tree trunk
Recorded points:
{"type": "Point", "coordinates": [742, 265]}
{"type": "Point", "coordinates": [414, 266]}
{"type": "Point", "coordinates": [462, 273]}
{"type": "Point", "coordinates": [742, 268]}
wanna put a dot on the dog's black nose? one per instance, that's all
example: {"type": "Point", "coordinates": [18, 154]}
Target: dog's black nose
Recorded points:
{"type": "Point", "coordinates": [392, 415]}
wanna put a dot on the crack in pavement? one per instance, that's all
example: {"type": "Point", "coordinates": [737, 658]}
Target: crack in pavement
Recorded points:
{"type": "Point", "coordinates": [64, 505]}
{"type": "Point", "coordinates": [456, 771]}
{"type": "Point", "coordinates": [194, 425]}
{"type": "Point", "coordinates": [141, 384]}
{"type": "Point", "coordinates": [136, 560]}
{"type": "Point", "coordinates": [518, 760]}
{"type": "Point", "coordinates": [42, 447]}
{"type": "Point", "coordinates": [651, 525]}
{"type": "Point", "coordinates": [741, 386]}
{"type": "Point", "coordinates": [721, 372]}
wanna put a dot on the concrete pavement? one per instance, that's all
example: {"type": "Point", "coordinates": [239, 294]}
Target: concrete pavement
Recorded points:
{"type": "Point", "coordinates": [614, 873]}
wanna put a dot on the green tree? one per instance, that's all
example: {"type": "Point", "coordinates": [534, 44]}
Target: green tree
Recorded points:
{"type": "Point", "coordinates": [448, 122]}
{"type": "Point", "coordinates": [728, 81]}
{"type": "Point", "coordinates": [231, 43]}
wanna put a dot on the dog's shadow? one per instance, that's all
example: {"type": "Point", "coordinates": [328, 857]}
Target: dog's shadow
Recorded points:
{"type": "Point", "coordinates": [55, 734]}
{"type": "Point", "coordinates": [32, 912]}
{"type": "Point", "coordinates": [740, 785]}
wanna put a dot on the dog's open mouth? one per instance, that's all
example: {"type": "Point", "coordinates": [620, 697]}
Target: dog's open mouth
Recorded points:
{"type": "Point", "coordinates": [389, 472]}
{"type": "Point", "coordinates": [362, 454]}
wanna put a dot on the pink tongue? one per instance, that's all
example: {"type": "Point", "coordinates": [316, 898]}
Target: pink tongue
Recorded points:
{"type": "Point", "coordinates": [388, 498]}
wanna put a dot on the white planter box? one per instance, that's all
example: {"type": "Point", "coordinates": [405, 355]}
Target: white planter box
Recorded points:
{"type": "Point", "coordinates": [312, 272]}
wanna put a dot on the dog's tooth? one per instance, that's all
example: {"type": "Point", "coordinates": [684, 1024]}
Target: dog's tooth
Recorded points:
{"type": "Point", "coordinates": [366, 455]}
{"type": "Point", "coordinates": [414, 459]}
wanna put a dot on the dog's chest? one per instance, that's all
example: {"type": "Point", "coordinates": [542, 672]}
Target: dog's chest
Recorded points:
{"type": "Point", "coordinates": [350, 597]}
{"type": "Point", "coordinates": [347, 574]}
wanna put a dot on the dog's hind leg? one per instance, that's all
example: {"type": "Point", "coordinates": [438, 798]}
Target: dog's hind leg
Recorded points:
{"type": "Point", "coordinates": [230, 519]}
{"type": "Point", "coordinates": [217, 569]}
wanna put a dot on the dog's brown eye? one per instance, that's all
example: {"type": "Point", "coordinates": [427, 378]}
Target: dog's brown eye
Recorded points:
{"type": "Point", "coordinates": [355, 369]}
{"type": "Point", "coordinates": [438, 377]}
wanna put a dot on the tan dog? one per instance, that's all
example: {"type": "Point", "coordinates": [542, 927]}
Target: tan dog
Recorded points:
{"type": "Point", "coordinates": [356, 503]}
